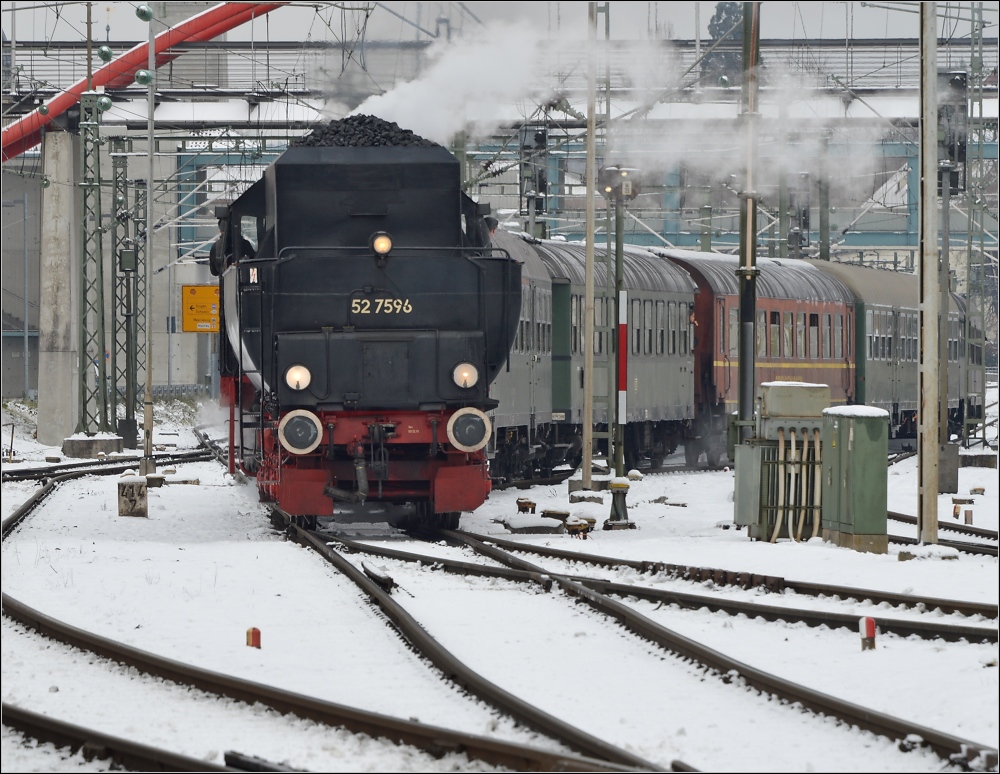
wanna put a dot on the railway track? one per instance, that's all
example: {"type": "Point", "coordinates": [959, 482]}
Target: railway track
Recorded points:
{"type": "Point", "coordinates": [122, 753]}
{"type": "Point", "coordinates": [432, 740]}
{"type": "Point", "coordinates": [605, 589]}
{"type": "Point", "coordinates": [964, 529]}
{"type": "Point", "coordinates": [104, 467]}
{"type": "Point", "coordinates": [959, 545]}
{"type": "Point", "coordinates": [926, 629]}
{"type": "Point", "coordinates": [771, 583]}
{"type": "Point", "coordinates": [599, 594]}
{"type": "Point", "coordinates": [50, 481]}
{"type": "Point", "coordinates": [379, 591]}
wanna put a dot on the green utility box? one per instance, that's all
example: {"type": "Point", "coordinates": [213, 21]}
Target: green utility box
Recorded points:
{"type": "Point", "coordinates": [856, 477]}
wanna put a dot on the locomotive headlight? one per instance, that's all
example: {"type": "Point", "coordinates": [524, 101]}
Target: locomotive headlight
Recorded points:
{"type": "Point", "coordinates": [465, 375]}
{"type": "Point", "coordinates": [469, 429]}
{"type": "Point", "coordinates": [381, 243]}
{"type": "Point", "coordinates": [300, 431]}
{"type": "Point", "coordinates": [298, 377]}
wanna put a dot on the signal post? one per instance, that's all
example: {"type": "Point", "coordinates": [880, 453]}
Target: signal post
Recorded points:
{"type": "Point", "coordinates": [618, 185]}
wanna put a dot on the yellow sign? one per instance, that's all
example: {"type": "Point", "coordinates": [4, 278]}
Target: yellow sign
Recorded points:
{"type": "Point", "coordinates": [200, 308]}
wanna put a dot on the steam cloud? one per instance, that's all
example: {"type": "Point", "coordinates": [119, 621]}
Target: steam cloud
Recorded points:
{"type": "Point", "coordinates": [470, 84]}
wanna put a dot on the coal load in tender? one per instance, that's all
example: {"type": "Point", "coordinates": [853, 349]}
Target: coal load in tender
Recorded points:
{"type": "Point", "coordinates": [361, 131]}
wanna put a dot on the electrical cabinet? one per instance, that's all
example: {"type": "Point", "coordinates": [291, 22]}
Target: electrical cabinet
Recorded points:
{"type": "Point", "coordinates": [855, 477]}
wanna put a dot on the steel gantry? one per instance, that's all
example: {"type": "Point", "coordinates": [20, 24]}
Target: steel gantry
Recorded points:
{"type": "Point", "coordinates": [128, 315]}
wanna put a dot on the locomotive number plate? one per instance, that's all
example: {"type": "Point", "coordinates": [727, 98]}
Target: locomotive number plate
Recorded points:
{"type": "Point", "coordinates": [380, 306]}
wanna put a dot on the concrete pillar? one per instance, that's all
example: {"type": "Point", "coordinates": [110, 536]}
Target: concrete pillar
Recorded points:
{"type": "Point", "coordinates": [58, 319]}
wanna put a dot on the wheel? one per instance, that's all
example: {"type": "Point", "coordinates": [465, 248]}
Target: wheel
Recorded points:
{"type": "Point", "coordinates": [692, 452]}
{"type": "Point", "coordinates": [712, 458]}
{"type": "Point", "coordinates": [422, 517]}
{"type": "Point", "coordinates": [449, 520]}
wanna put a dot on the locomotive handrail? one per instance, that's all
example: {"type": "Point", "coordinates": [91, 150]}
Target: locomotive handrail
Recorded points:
{"type": "Point", "coordinates": [492, 253]}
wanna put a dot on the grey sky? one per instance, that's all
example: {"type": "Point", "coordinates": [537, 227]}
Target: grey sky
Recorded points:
{"type": "Point", "coordinates": [629, 20]}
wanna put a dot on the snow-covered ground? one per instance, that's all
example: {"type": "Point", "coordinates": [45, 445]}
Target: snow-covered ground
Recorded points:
{"type": "Point", "coordinates": [188, 581]}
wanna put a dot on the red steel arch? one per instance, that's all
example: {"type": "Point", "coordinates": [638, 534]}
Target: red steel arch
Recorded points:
{"type": "Point", "coordinates": [26, 132]}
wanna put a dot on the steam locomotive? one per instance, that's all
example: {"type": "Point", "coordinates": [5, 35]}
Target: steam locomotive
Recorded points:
{"type": "Point", "coordinates": [364, 332]}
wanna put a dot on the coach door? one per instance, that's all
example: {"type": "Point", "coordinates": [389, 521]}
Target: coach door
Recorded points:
{"type": "Point", "coordinates": [892, 357]}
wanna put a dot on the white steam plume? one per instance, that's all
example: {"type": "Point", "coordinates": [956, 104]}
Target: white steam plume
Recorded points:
{"type": "Point", "coordinates": [469, 85]}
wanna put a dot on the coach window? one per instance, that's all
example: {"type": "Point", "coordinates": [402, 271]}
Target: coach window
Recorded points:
{"type": "Point", "coordinates": [647, 327]}
{"type": "Point", "coordinates": [827, 352]}
{"type": "Point", "coordinates": [672, 327]}
{"type": "Point", "coordinates": [684, 326]}
{"type": "Point", "coordinates": [870, 334]}
{"type": "Point", "coordinates": [600, 322]}
{"type": "Point", "coordinates": [529, 323]}
{"type": "Point", "coordinates": [761, 333]}
{"type": "Point", "coordinates": [574, 320]}
{"type": "Point", "coordinates": [814, 337]}
{"type": "Point", "coordinates": [598, 342]}
{"type": "Point", "coordinates": [877, 336]}
{"type": "Point", "coordinates": [775, 335]}
{"type": "Point", "coordinates": [838, 336]}
{"type": "Point", "coordinates": [636, 327]}
{"type": "Point", "coordinates": [787, 335]}
{"type": "Point", "coordinates": [734, 332]}
{"type": "Point", "coordinates": [661, 338]}
{"type": "Point", "coordinates": [609, 339]}
{"type": "Point", "coordinates": [887, 334]}
{"type": "Point", "coordinates": [539, 322]}
{"type": "Point", "coordinates": [848, 336]}
{"type": "Point", "coordinates": [880, 335]}
{"type": "Point", "coordinates": [548, 322]}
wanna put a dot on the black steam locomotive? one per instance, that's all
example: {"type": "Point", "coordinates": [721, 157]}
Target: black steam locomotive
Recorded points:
{"type": "Point", "coordinates": [365, 330]}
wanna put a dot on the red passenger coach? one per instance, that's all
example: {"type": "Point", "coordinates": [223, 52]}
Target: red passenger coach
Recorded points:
{"type": "Point", "coordinates": [804, 331]}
